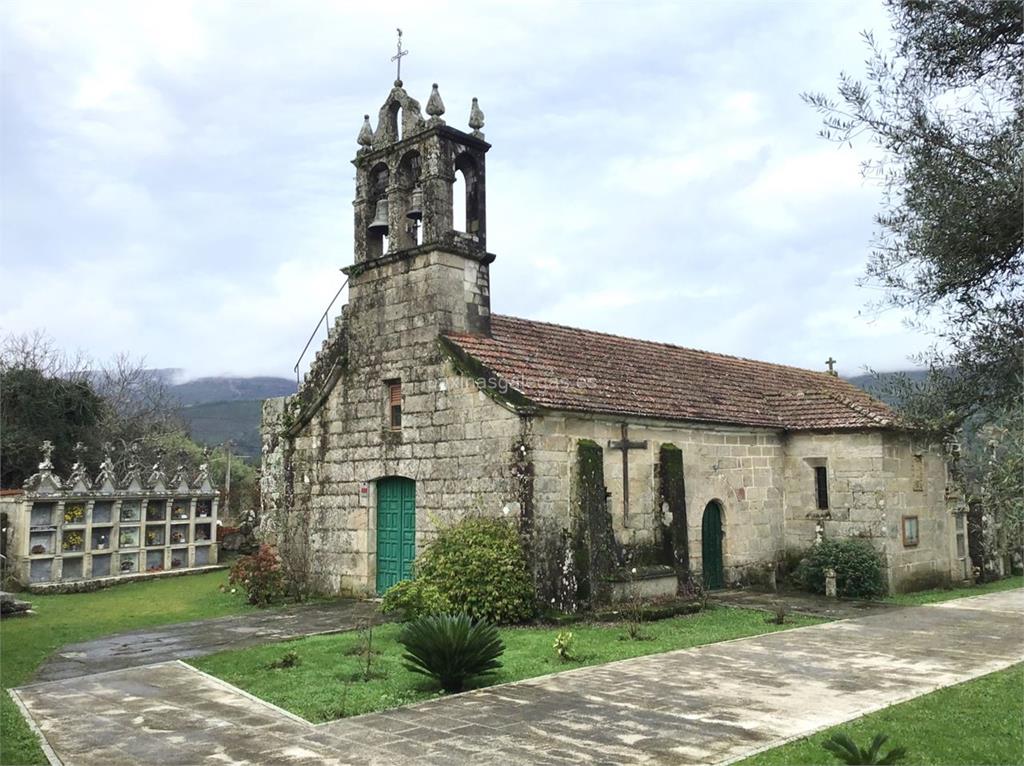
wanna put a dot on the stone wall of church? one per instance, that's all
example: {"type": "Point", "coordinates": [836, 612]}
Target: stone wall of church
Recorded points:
{"type": "Point", "coordinates": [918, 488]}
{"type": "Point", "coordinates": [455, 441]}
{"type": "Point", "coordinates": [740, 468]}
{"type": "Point", "coordinates": [875, 478]}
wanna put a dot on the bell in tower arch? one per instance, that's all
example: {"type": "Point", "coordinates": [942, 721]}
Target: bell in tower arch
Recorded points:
{"type": "Point", "coordinates": [379, 224]}
{"type": "Point", "coordinates": [415, 211]}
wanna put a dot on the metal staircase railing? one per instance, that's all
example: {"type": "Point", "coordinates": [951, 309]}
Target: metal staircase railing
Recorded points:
{"type": "Point", "coordinates": [323, 321]}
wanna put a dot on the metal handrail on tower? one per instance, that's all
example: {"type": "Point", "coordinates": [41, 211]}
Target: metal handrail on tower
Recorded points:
{"type": "Point", "coordinates": [323, 320]}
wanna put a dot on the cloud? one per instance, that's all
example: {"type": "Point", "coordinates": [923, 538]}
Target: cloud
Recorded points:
{"type": "Point", "coordinates": [177, 177]}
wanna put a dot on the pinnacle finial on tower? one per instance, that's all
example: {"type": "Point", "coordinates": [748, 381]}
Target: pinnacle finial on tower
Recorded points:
{"type": "Point", "coordinates": [476, 118]}
{"type": "Point", "coordinates": [365, 137]}
{"type": "Point", "coordinates": [435, 106]}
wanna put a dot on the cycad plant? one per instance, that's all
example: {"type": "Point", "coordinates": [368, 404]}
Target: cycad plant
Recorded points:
{"type": "Point", "coordinates": [451, 648]}
{"type": "Point", "coordinates": [847, 751]}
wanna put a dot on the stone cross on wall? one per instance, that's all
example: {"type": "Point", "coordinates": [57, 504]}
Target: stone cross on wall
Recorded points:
{"type": "Point", "coordinates": [625, 445]}
{"type": "Point", "coordinates": [831, 366]}
{"type": "Point", "coordinates": [47, 450]}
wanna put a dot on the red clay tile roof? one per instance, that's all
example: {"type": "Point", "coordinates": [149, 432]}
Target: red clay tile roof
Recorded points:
{"type": "Point", "coordinates": [563, 368]}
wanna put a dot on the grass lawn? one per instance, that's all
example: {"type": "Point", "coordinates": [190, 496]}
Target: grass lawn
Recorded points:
{"type": "Point", "coordinates": [326, 684]}
{"type": "Point", "coordinates": [977, 722]}
{"type": "Point", "coordinates": [62, 619]}
{"type": "Point", "coordinates": [942, 594]}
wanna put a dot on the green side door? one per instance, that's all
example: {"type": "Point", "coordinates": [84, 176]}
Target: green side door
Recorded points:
{"type": "Point", "coordinates": [711, 547]}
{"type": "Point", "coordinates": [396, 530]}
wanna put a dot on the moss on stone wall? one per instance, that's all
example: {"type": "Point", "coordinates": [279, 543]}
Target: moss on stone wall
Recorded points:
{"type": "Point", "coordinates": [672, 496]}
{"type": "Point", "coordinates": [595, 549]}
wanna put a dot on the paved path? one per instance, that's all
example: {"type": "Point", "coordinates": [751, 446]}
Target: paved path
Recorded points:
{"type": "Point", "coordinates": [711, 704]}
{"type": "Point", "coordinates": [802, 603]}
{"type": "Point", "coordinates": [193, 639]}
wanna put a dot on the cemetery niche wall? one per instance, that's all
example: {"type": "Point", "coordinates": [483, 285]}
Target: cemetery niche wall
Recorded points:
{"type": "Point", "coordinates": [64, 533]}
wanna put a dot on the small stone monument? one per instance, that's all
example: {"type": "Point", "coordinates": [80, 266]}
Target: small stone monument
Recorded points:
{"type": "Point", "coordinates": [830, 583]}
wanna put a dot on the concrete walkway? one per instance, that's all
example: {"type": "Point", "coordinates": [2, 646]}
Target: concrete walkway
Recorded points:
{"type": "Point", "coordinates": [712, 704]}
{"type": "Point", "coordinates": [194, 639]}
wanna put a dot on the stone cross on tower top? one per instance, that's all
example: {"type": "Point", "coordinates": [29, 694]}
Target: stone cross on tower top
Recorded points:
{"type": "Point", "coordinates": [398, 58]}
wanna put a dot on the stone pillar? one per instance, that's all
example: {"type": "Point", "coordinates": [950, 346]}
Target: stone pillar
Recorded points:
{"type": "Point", "coordinates": [830, 583]}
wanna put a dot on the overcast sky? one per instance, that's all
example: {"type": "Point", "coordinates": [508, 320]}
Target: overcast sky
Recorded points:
{"type": "Point", "coordinates": [177, 178]}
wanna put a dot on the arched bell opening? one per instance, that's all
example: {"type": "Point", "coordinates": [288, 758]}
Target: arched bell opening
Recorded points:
{"type": "Point", "coordinates": [378, 228]}
{"type": "Point", "coordinates": [466, 195]}
{"type": "Point", "coordinates": [394, 117]}
{"type": "Point", "coordinates": [407, 200]}
{"type": "Point", "coordinates": [459, 201]}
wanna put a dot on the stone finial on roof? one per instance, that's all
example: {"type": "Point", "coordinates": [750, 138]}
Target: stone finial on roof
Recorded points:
{"type": "Point", "coordinates": [365, 137]}
{"type": "Point", "coordinates": [78, 481]}
{"type": "Point", "coordinates": [133, 477]}
{"type": "Point", "coordinates": [47, 450]}
{"type": "Point", "coordinates": [179, 481]}
{"type": "Point", "coordinates": [476, 118]}
{"type": "Point", "coordinates": [105, 479]}
{"type": "Point", "coordinates": [435, 106]}
{"type": "Point", "coordinates": [157, 477]}
{"type": "Point", "coordinates": [831, 367]}
{"type": "Point", "coordinates": [44, 481]}
{"type": "Point", "coordinates": [202, 480]}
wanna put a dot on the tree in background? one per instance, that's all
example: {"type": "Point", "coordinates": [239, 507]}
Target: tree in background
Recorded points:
{"type": "Point", "coordinates": [35, 407]}
{"type": "Point", "coordinates": [945, 108]}
{"type": "Point", "coordinates": [48, 394]}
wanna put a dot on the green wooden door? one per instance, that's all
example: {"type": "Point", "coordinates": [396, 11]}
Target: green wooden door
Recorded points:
{"type": "Point", "coordinates": [711, 546]}
{"type": "Point", "coordinates": [396, 530]}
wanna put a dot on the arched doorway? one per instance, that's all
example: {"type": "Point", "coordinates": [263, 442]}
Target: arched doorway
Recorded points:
{"type": "Point", "coordinates": [711, 546]}
{"type": "Point", "coordinates": [396, 530]}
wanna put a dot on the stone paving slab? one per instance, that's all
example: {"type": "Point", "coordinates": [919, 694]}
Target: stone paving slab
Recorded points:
{"type": "Point", "coordinates": [194, 639]}
{"type": "Point", "coordinates": [799, 602]}
{"type": "Point", "coordinates": [711, 704]}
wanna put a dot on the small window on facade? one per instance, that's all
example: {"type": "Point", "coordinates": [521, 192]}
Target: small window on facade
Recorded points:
{"type": "Point", "coordinates": [910, 535]}
{"type": "Point", "coordinates": [821, 486]}
{"type": "Point", "coordinates": [395, 404]}
{"type": "Point", "coordinates": [918, 475]}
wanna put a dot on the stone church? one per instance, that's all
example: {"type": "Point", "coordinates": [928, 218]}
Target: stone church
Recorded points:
{"type": "Point", "coordinates": [611, 453]}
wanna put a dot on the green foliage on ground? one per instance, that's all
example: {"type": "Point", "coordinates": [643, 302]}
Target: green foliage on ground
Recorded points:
{"type": "Point", "coordinates": [321, 688]}
{"type": "Point", "coordinates": [260, 575]}
{"type": "Point", "coordinates": [410, 599]}
{"type": "Point", "coordinates": [63, 619]}
{"type": "Point", "coordinates": [849, 752]}
{"type": "Point", "coordinates": [451, 649]}
{"type": "Point", "coordinates": [857, 564]}
{"type": "Point", "coordinates": [974, 723]}
{"type": "Point", "coordinates": [479, 565]}
{"type": "Point", "coordinates": [946, 594]}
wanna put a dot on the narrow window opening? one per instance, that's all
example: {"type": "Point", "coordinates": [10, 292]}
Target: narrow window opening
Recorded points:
{"type": "Point", "coordinates": [395, 404]}
{"type": "Point", "coordinates": [919, 473]}
{"type": "Point", "coordinates": [821, 486]}
{"type": "Point", "coordinates": [910, 531]}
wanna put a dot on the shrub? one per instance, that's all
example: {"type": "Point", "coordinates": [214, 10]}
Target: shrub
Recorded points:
{"type": "Point", "coordinates": [847, 751]}
{"type": "Point", "coordinates": [858, 568]}
{"type": "Point", "coordinates": [288, 660]}
{"type": "Point", "coordinates": [414, 598]}
{"type": "Point", "coordinates": [563, 645]}
{"type": "Point", "coordinates": [479, 566]}
{"type": "Point", "coordinates": [261, 576]}
{"type": "Point", "coordinates": [451, 648]}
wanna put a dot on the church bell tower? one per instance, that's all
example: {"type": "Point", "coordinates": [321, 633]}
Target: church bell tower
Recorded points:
{"type": "Point", "coordinates": [406, 171]}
